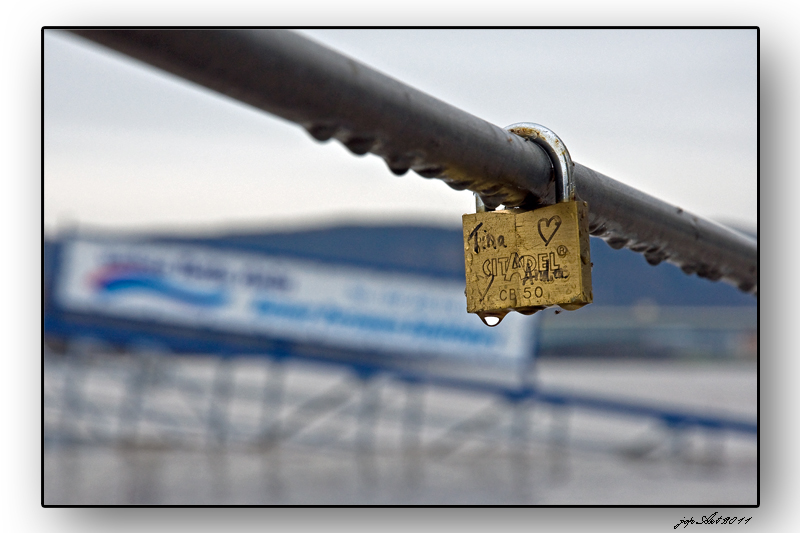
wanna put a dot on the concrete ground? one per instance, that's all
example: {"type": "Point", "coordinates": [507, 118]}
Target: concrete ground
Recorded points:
{"type": "Point", "coordinates": [204, 433]}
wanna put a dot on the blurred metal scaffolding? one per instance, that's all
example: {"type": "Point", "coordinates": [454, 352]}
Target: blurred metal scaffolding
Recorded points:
{"type": "Point", "coordinates": [120, 415]}
{"type": "Point", "coordinates": [150, 397]}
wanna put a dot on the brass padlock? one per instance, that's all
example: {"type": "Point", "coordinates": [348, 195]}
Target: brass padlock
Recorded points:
{"type": "Point", "coordinates": [526, 261]}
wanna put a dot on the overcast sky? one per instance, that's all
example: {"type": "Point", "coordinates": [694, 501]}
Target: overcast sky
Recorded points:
{"type": "Point", "coordinates": [670, 112]}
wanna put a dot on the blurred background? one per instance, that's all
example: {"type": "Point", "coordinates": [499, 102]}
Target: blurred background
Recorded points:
{"type": "Point", "coordinates": [236, 314]}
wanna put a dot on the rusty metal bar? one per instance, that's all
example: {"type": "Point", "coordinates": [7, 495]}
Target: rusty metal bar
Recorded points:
{"type": "Point", "coordinates": [333, 96]}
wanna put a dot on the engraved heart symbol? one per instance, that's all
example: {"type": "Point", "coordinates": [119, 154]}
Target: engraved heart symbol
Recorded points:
{"type": "Point", "coordinates": [556, 221]}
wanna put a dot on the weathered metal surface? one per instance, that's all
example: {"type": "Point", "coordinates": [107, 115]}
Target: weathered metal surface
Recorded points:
{"type": "Point", "coordinates": [333, 96]}
{"type": "Point", "coordinates": [526, 261]}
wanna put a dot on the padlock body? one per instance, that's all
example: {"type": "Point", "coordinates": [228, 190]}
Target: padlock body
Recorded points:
{"type": "Point", "coordinates": [528, 260]}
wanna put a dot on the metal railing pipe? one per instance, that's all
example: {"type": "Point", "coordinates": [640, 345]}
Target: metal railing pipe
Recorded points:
{"type": "Point", "coordinates": [333, 96]}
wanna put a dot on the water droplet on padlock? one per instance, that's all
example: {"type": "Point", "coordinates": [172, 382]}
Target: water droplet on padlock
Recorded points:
{"type": "Point", "coordinates": [491, 319]}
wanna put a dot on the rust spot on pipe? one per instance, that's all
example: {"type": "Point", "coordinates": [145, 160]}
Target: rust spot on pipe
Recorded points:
{"type": "Point", "coordinates": [617, 243]}
{"type": "Point", "coordinates": [321, 132]}
{"type": "Point", "coordinates": [430, 172]}
{"type": "Point", "coordinates": [360, 145]}
{"type": "Point", "coordinates": [746, 286]}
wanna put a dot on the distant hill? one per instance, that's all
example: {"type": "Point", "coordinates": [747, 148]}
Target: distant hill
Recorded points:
{"type": "Point", "coordinates": [620, 277]}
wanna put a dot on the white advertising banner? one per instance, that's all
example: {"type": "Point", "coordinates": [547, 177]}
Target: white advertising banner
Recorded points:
{"type": "Point", "coordinates": [292, 299]}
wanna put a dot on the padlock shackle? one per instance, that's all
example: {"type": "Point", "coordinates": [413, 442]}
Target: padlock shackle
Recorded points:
{"type": "Point", "coordinates": [480, 207]}
{"type": "Point", "coordinates": [556, 150]}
